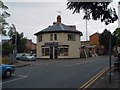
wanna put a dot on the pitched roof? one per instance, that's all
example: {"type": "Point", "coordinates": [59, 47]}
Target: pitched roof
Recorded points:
{"type": "Point", "coordinates": [57, 28]}
{"type": "Point", "coordinates": [94, 34]}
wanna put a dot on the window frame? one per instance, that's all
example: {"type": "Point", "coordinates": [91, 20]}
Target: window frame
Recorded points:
{"type": "Point", "coordinates": [45, 51]}
{"type": "Point", "coordinates": [55, 37]}
{"type": "Point", "coordinates": [51, 37]}
{"type": "Point", "coordinates": [62, 51]}
{"type": "Point", "coordinates": [40, 38]}
{"type": "Point", "coordinates": [71, 37]}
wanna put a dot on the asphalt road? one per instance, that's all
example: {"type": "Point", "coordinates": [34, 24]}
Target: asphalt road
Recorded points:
{"type": "Point", "coordinates": [71, 73]}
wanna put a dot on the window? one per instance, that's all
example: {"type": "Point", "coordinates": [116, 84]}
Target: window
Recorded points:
{"type": "Point", "coordinates": [51, 37]}
{"type": "Point", "coordinates": [60, 50]}
{"type": "Point", "coordinates": [63, 51]}
{"type": "Point", "coordinates": [40, 38]}
{"type": "Point", "coordinates": [71, 37]}
{"type": "Point", "coordinates": [45, 51]}
{"type": "Point", "coordinates": [55, 36]}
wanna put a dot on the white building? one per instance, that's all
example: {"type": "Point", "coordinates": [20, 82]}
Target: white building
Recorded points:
{"type": "Point", "coordinates": [58, 41]}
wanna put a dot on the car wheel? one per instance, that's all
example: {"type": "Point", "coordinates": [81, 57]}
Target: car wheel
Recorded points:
{"type": "Point", "coordinates": [8, 73]}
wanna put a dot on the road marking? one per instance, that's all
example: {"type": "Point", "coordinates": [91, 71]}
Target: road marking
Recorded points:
{"type": "Point", "coordinates": [96, 78]}
{"type": "Point", "coordinates": [21, 76]}
{"type": "Point", "coordinates": [88, 83]}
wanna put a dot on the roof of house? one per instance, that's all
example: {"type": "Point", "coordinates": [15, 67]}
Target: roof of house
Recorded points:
{"type": "Point", "coordinates": [94, 34]}
{"type": "Point", "coordinates": [58, 27]}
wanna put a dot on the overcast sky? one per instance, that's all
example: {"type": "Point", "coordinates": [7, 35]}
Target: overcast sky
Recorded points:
{"type": "Point", "coordinates": [30, 17]}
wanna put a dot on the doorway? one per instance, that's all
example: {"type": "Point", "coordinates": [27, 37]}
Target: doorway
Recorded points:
{"type": "Point", "coordinates": [56, 52]}
{"type": "Point", "coordinates": [53, 52]}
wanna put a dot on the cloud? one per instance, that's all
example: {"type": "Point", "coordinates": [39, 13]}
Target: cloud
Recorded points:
{"type": "Point", "coordinates": [32, 17]}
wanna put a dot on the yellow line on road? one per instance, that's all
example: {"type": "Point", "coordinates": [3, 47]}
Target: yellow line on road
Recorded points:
{"type": "Point", "coordinates": [92, 79]}
{"type": "Point", "coordinates": [95, 78]}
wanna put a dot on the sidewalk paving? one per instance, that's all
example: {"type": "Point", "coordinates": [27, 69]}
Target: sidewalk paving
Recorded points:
{"type": "Point", "coordinates": [104, 82]}
{"type": "Point", "coordinates": [21, 64]}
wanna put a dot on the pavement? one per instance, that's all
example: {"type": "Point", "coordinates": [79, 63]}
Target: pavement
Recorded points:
{"type": "Point", "coordinates": [21, 64]}
{"type": "Point", "coordinates": [108, 82]}
{"type": "Point", "coordinates": [102, 82]}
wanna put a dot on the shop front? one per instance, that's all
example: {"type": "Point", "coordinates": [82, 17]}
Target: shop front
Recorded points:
{"type": "Point", "coordinates": [54, 50]}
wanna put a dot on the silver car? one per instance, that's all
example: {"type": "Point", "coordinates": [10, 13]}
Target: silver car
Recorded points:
{"type": "Point", "coordinates": [28, 57]}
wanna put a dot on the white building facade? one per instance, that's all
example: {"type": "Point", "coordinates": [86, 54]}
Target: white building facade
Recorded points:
{"type": "Point", "coordinates": [58, 41]}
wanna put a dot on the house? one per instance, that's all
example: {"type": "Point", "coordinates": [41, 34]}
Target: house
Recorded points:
{"type": "Point", "coordinates": [94, 39]}
{"type": "Point", "coordinates": [91, 47]}
{"type": "Point", "coordinates": [58, 41]}
{"type": "Point", "coordinates": [30, 46]}
{"type": "Point", "coordinates": [85, 43]}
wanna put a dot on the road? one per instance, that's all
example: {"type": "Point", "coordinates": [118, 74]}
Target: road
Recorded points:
{"type": "Point", "coordinates": [71, 73]}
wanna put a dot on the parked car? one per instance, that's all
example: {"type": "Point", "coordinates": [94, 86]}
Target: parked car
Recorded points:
{"type": "Point", "coordinates": [28, 57]}
{"type": "Point", "coordinates": [34, 55]}
{"type": "Point", "coordinates": [6, 70]}
{"type": "Point", "coordinates": [18, 56]}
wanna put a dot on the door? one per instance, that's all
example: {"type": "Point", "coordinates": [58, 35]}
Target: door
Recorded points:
{"type": "Point", "coordinates": [56, 52]}
{"type": "Point", "coordinates": [51, 52]}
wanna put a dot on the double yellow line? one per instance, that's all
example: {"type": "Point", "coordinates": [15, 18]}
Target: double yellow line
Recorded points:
{"type": "Point", "coordinates": [92, 80]}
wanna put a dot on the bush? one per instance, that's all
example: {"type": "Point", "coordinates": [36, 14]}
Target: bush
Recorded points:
{"type": "Point", "coordinates": [5, 60]}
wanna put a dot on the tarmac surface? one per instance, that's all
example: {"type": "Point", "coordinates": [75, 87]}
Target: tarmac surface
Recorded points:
{"type": "Point", "coordinates": [102, 83]}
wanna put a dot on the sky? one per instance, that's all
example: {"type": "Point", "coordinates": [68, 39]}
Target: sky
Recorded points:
{"type": "Point", "coordinates": [31, 16]}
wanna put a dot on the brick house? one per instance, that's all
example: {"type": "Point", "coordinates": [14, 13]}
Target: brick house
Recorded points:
{"type": "Point", "coordinates": [30, 46]}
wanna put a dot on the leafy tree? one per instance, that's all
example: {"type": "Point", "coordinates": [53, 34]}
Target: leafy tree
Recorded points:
{"type": "Point", "coordinates": [117, 34]}
{"type": "Point", "coordinates": [21, 47]}
{"type": "Point", "coordinates": [94, 10]}
{"type": "Point", "coordinates": [104, 39]}
{"type": "Point", "coordinates": [4, 32]}
{"type": "Point", "coordinates": [21, 40]}
{"type": "Point", "coordinates": [6, 49]}
{"type": "Point", "coordinates": [3, 15]}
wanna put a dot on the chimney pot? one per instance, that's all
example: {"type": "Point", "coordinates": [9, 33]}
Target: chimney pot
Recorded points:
{"type": "Point", "coordinates": [58, 19]}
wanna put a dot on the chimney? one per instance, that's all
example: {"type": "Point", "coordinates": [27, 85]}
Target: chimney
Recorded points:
{"type": "Point", "coordinates": [58, 19]}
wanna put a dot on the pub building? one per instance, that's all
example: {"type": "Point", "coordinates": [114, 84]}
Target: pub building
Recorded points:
{"type": "Point", "coordinates": [58, 41]}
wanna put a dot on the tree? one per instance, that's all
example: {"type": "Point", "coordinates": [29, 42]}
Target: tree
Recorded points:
{"type": "Point", "coordinates": [117, 34]}
{"type": "Point", "coordinates": [104, 40]}
{"type": "Point", "coordinates": [21, 47]}
{"type": "Point", "coordinates": [3, 15]}
{"type": "Point", "coordinates": [6, 49]}
{"type": "Point", "coordinates": [94, 10]}
{"type": "Point", "coordinates": [21, 40]}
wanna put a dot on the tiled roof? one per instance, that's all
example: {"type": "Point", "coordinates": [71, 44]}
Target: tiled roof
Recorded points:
{"type": "Point", "coordinates": [57, 28]}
